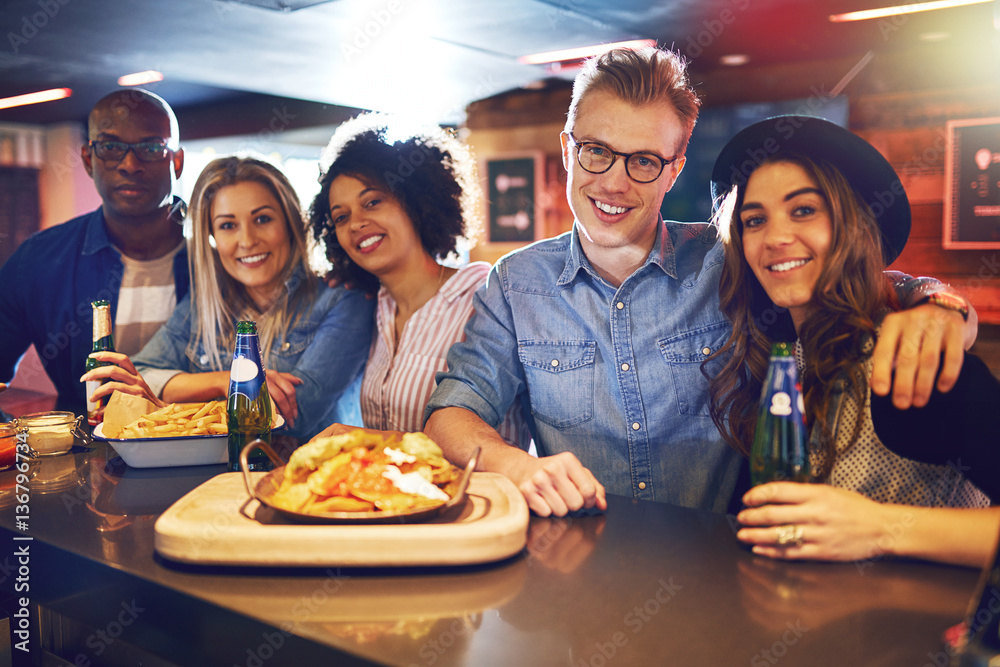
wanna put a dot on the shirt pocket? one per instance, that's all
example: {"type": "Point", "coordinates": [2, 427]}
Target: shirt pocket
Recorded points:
{"type": "Point", "coordinates": [285, 351]}
{"type": "Point", "coordinates": [560, 377]}
{"type": "Point", "coordinates": [201, 361]}
{"type": "Point", "coordinates": [684, 354]}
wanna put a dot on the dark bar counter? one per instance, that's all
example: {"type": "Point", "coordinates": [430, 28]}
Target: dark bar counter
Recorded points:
{"type": "Point", "coordinates": [643, 584]}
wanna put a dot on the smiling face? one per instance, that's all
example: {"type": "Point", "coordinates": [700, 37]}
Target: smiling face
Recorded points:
{"type": "Point", "coordinates": [372, 226]}
{"type": "Point", "coordinates": [787, 234]}
{"type": "Point", "coordinates": [613, 211]}
{"type": "Point", "coordinates": [251, 236]}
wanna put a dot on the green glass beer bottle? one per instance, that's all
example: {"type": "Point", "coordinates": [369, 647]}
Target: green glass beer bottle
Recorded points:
{"type": "Point", "coordinates": [248, 409]}
{"type": "Point", "coordinates": [104, 341]}
{"type": "Point", "coordinates": [779, 451]}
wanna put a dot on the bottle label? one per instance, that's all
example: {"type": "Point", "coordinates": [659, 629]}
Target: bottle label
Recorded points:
{"type": "Point", "coordinates": [243, 370]}
{"type": "Point", "coordinates": [782, 386]}
{"type": "Point", "coordinates": [781, 404]}
{"type": "Point", "coordinates": [92, 386]}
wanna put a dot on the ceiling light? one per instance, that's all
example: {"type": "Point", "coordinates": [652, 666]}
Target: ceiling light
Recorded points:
{"type": "Point", "coordinates": [139, 78]}
{"type": "Point", "coordinates": [735, 59]}
{"type": "Point", "coordinates": [35, 98]}
{"type": "Point", "coordinates": [902, 9]}
{"type": "Point", "coordinates": [934, 36]}
{"type": "Point", "coordinates": [582, 52]}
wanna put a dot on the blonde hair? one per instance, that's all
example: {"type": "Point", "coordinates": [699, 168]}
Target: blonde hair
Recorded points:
{"type": "Point", "coordinates": [650, 75]}
{"type": "Point", "coordinates": [219, 301]}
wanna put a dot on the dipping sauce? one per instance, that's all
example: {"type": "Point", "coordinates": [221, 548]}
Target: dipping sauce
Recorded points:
{"type": "Point", "coordinates": [49, 432]}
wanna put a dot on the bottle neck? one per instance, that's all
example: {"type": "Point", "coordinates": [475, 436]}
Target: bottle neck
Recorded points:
{"type": "Point", "coordinates": [103, 338]}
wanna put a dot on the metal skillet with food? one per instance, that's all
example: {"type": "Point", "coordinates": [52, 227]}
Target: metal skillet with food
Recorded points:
{"type": "Point", "coordinates": [361, 477]}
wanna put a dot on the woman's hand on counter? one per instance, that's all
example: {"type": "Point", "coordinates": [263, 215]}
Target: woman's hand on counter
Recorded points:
{"type": "Point", "coordinates": [836, 524]}
{"type": "Point", "coordinates": [841, 525]}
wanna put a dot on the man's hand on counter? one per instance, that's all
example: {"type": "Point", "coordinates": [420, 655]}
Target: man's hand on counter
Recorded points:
{"type": "Point", "coordinates": [557, 485]}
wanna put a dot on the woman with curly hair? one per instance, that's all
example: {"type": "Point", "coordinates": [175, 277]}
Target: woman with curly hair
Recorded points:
{"type": "Point", "coordinates": [808, 226]}
{"type": "Point", "coordinates": [394, 204]}
{"type": "Point", "coordinates": [248, 258]}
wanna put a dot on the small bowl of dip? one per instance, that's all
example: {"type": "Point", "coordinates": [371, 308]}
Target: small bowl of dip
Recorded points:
{"type": "Point", "coordinates": [49, 433]}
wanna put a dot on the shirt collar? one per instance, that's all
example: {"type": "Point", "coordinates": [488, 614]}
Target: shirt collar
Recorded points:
{"type": "Point", "coordinates": [662, 255]}
{"type": "Point", "coordinates": [96, 238]}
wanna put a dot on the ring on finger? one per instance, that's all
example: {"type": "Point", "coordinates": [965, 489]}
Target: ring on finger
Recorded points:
{"type": "Point", "coordinates": [789, 535]}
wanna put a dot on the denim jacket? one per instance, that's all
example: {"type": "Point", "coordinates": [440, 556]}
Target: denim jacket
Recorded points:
{"type": "Point", "coordinates": [612, 375]}
{"type": "Point", "coordinates": [326, 349]}
{"type": "Point", "coordinates": [46, 289]}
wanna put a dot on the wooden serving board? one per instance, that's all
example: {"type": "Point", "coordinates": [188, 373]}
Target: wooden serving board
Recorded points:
{"type": "Point", "coordinates": [218, 524]}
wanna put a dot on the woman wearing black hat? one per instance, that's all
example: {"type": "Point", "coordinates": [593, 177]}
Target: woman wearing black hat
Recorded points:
{"type": "Point", "coordinates": [811, 216]}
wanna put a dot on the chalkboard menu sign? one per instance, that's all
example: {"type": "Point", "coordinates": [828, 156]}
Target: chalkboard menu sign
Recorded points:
{"type": "Point", "coordinates": [512, 199]}
{"type": "Point", "coordinates": [972, 177]}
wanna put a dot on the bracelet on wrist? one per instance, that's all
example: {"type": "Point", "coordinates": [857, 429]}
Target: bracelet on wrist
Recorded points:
{"type": "Point", "coordinates": [949, 302]}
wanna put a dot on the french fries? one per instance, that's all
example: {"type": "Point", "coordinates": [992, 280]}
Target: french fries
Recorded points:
{"type": "Point", "coordinates": [363, 472]}
{"type": "Point", "coordinates": [179, 420]}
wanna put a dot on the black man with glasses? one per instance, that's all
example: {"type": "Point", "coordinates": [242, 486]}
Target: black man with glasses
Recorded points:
{"type": "Point", "coordinates": [130, 251]}
{"type": "Point", "coordinates": [600, 333]}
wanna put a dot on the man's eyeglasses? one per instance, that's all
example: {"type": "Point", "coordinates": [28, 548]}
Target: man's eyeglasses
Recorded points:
{"type": "Point", "coordinates": [597, 158]}
{"type": "Point", "coordinates": [115, 151]}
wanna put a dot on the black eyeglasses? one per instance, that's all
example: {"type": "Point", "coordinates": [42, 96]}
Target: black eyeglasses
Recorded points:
{"type": "Point", "coordinates": [597, 158]}
{"type": "Point", "coordinates": [115, 151]}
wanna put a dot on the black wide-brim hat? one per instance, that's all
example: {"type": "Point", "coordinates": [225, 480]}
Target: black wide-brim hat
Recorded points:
{"type": "Point", "coordinates": [862, 165]}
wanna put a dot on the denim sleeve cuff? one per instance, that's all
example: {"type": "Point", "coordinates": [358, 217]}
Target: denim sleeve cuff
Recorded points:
{"type": "Point", "coordinates": [157, 378]}
{"type": "Point", "coordinates": [913, 291]}
{"type": "Point", "coordinates": [451, 393]}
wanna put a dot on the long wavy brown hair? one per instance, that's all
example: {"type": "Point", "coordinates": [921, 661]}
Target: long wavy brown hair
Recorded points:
{"type": "Point", "coordinates": [850, 297]}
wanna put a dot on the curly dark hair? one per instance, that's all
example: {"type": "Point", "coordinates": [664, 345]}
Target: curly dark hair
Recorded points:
{"type": "Point", "coordinates": [429, 171]}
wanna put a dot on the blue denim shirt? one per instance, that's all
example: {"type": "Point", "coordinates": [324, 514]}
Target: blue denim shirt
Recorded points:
{"type": "Point", "coordinates": [612, 375]}
{"type": "Point", "coordinates": [46, 289]}
{"type": "Point", "coordinates": [326, 348]}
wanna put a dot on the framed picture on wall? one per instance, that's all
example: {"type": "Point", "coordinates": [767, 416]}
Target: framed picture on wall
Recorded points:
{"type": "Point", "coordinates": [972, 184]}
{"type": "Point", "coordinates": [513, 188]}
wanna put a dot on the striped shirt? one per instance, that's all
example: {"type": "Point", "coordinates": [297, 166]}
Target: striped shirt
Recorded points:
{"type": "Point", "coordinates": [145, 301]}
{"type": "Point", "coordinates": [399, 382]}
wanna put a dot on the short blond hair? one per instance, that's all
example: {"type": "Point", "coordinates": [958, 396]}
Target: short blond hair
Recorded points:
{"type": "Point", "coordinates": [649, 75]}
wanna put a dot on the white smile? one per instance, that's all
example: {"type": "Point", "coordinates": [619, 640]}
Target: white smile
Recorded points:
{"type": "Point", "coordinates": [253, 259]}
{"type": "Point", "coordinates": [609, 209]}
{"type": "Point", "coordinates": [370, 241]}
{"type": "Point", "coordinates": [788, 266]}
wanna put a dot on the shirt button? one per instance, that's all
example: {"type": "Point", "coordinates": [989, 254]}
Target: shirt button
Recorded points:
{"type": "Point", "coordinates": [555, 362]}
{"type": "Point", "coordinates": [203, 358]}
{"type": "Point", "coordinates": [624, 367]}
{"type": "Point", "coordinates": [642, 485]}
{"type": "Point", "coordinates": [284, 348]}
{"type": "Point", "coordinates": [706, 351]}
{"type": "Point", "coordinates": [635, 426]}
{"type": "Point", "coordinates": [619, 305]}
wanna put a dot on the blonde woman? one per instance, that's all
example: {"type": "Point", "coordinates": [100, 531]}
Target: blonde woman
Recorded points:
{"type": "Point", "coordinates": [248, 261]}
